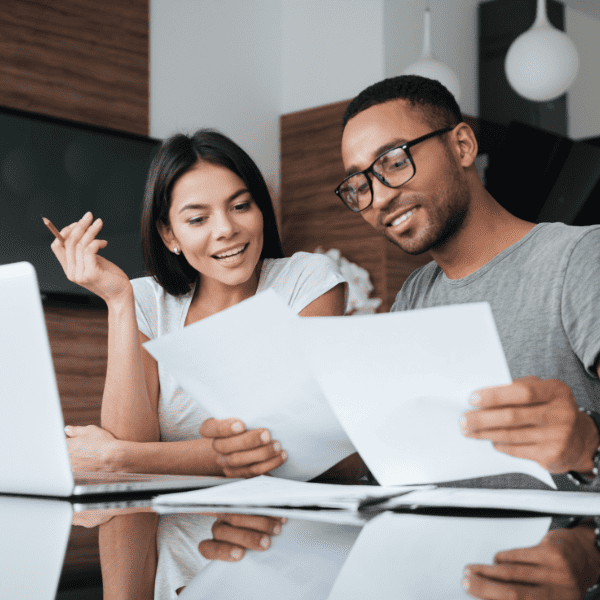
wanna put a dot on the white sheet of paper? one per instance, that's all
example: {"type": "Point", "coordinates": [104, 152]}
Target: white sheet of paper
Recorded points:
{"type": "Point", "coordinates": [243, 362]}
{"type": "Point", "coordinates": [399, 382]}
{"type": "Point", "coordinates": [302, 562]}
{"type": "Point", "coordinates": [270, 491]}
{"type": "Point", "coordinates": [414, 557]}
{"type": "Point", "coordinates": [542, 501]}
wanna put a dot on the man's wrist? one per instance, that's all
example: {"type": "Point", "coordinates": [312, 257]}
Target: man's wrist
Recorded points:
{"type": "Point", "coordinates": [586, 470]}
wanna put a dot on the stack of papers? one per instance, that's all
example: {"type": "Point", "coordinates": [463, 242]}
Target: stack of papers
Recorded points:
{"type": "Point", "coordinates": [267, 493]}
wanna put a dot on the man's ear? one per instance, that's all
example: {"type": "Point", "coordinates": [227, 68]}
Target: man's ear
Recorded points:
{"type": "Point", "coordinates": [166, 235]}
{"type": "Point", "coordinates": [465, 144]}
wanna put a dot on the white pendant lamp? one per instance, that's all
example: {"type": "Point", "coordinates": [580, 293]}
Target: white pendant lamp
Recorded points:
{"type": "Point", "coordinates": [427, 66]}
{"type": "Point", "coordinates": [542, 63]}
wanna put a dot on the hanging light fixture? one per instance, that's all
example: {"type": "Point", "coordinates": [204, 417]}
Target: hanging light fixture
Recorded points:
{"type": "Point", "coordinates": [542, 63]}
{"type": "Point", "coordinates": [427, 66]}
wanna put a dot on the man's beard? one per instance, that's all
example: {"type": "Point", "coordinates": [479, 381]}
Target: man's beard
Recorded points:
{"type": "Point", "coordinates": [446, 216]}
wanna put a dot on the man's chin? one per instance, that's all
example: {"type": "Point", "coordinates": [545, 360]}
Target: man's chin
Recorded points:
{"type": "Point", "coordinates": [410, 246]}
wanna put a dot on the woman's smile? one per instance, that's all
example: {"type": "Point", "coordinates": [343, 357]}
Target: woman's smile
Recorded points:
{"type": "Point", "coordinates": [216, 224]}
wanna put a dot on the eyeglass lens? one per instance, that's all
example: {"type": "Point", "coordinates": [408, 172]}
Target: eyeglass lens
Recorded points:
{"type": "Point", "coordinates": [392, 168]}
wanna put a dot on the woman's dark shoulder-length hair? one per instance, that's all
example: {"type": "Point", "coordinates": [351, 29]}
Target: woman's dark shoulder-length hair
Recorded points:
{"type": "Point", "coordinates": [176, 156]}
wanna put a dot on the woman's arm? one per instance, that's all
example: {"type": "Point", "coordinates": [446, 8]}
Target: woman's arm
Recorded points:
{"type": "Point", "coordinates": [130, 399]}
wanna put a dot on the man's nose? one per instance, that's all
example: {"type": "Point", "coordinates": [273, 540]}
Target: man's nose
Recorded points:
{"type": "Point", "coordinates": [382, 194]}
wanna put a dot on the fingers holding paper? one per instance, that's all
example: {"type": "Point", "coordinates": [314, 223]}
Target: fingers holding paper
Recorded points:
{"type": "Point", "coordinates": [233, 534]}
{"type": "Point", "coordinates": [242, 453]}
{"type": "Point", "coordinates": [536, 419]}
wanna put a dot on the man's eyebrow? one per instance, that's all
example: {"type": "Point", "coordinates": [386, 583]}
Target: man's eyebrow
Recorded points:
{"type": "Point", "coordinates": [377, 152]}
{"type": "Point", "coordinates": [205, 206]}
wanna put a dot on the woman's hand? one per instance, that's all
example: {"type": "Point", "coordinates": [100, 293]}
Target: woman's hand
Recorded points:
{"type": "Point", "coordinates": [81, 263]}
{"type": "Point", "coordinates": [91, 448]}
{"type": "Point", "coordinates": [242, 453]}
{"type": "Point", "coordinates": [234, 534]}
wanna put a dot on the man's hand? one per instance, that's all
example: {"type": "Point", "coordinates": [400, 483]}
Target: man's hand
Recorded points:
{"type": "Point", "coordinates": [561, 567]}
{"type": "Point", "coordinates": [234, 534]}
{"type": "Point", "coordinates": [536, 419]}
{"type": "Point", "coordinates": [242, 453]}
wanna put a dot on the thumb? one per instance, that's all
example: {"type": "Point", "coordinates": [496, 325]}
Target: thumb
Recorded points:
{"type": "Point", "coordinates": [72, 430]}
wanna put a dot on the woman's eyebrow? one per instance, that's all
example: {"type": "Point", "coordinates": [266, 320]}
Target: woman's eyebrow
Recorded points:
{"type": "Point", "coordinates": [195, 206]}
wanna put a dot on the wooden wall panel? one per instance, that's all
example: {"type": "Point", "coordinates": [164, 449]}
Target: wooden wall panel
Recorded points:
{"type": "Point", "coordinates": [313, 216]}
{"type": "Point", "coordinates": [87, 61]}
{"type": "Point", "coordinates": [77, 59]}
{"type": "Point", "coordinates": [78, 341]}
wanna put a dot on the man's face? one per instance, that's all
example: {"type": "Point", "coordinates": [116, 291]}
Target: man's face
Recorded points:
{"type": "Point", "coordinates": [426, 211]}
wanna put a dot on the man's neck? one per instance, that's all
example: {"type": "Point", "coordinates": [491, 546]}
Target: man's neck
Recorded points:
{"type": "Point", "coordinates": [487, 231]}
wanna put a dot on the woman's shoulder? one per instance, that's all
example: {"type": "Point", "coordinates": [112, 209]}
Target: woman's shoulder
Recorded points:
{"type": "Point", "coordinates": [300, 261]}
{"type": "Point", "coordinates": [146, 287]}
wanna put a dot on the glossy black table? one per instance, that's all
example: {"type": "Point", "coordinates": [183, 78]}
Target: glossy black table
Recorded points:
{"type": "Point", "coordinates": [51, 551]}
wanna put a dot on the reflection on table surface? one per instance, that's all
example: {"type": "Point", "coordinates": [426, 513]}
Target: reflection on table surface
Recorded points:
{"type": "Point", "coordinates": [409, 555]}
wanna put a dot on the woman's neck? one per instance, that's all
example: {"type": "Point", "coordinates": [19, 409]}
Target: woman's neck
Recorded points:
{"type": "Point", "coordinates": [212, 296]}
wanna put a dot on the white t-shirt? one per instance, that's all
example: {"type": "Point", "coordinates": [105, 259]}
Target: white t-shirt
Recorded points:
{"type": "Point", "coordinates": [298, 280]}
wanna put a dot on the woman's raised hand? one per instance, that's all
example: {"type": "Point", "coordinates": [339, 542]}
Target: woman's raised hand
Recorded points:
{"type": "Point", "coordinates": [242, 453]}
{"type": "Point", "coordinates": [82, 264]}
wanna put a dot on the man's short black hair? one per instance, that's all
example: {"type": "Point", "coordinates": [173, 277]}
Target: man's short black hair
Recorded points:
{"type": "Point", "coordinates": [436, 104]}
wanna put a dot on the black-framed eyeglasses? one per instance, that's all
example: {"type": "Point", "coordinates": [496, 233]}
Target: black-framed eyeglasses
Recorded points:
{"type": "Point", "coordinates": [393, 168]}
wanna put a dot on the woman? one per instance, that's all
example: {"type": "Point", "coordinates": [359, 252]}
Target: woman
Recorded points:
{"type": "Point", "coordinates": [210, 241]}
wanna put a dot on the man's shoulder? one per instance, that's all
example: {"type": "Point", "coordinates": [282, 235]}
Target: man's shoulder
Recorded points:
{"type": "Point", "coordinates": [562, 234]}
{"type": "Point", "coordinates": [419, 280]}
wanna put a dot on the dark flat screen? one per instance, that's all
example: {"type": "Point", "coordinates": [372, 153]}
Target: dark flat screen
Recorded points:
{"type": "Point", "coordinates": [60, 169]}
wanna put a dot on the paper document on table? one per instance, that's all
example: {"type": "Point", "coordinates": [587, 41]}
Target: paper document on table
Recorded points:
{"type": "Point", "coordinates": [271, 491]}
{"type": "Point", "coordinates": [244, 362]}
{"type": "Point", "coordinates": [420, 556]}
{"type": "Point", "coordinates": [399, 383]}
{"type": "Point", "coordinates": [541, 501]}
{"type": "Point", "coordinates": [302, 562]}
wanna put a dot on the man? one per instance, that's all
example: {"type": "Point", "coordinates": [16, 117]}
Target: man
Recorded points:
{"type": "Point", "coordinates": [410, 173]}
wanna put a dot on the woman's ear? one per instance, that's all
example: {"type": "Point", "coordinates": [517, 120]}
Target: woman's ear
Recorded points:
{"type": "Point", "coordinates": [166, 235]}
{"type": "Point", "coordinates": [466, 144]}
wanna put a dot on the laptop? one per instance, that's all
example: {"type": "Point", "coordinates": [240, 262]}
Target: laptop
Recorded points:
{"type": "Point", "coordinates": [33, 446]}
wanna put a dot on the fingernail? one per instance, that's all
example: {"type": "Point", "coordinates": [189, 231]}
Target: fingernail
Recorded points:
{"type": "Point", "coordinates": [466, 584]}
{"type": "Point", "coordinates": [475, 399]}
{"type": "Point", "coordinates": [265, 437]}
{"type": "Point", "coordinates": [236, 553]}
{"type": "Point", "coordinates": [468, 572]}
{"type": "Point", "coordinates": [67, 429]}
{"type": "Point", "coordinates": [284, 519]}
{"type": "Point", "coordinates": [237, 427]}
{"type": "Point", "coordinates": [265, 542]}
{"type": "Point", "coordinates": [463, 423]}
{"type": "Point", "coordinates": [276, 529]}
{"type": "Point", "coordinates": [284, 455]}
{"type": "Point", "coordinates": [277, 446]}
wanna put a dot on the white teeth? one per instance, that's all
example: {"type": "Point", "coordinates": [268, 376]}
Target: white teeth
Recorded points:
{"type": "Point", "coordinates": [402, 218]}
{"type": "Point", "coordinates": [231, 252]}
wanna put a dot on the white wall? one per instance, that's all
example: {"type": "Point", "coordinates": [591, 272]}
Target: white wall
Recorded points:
{"type": "Point", "coordinates": [216, 64]}
{"type": "Point", "coordinates": [331, 50]}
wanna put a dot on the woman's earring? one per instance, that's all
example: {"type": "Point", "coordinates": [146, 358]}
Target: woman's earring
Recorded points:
{"type": "Point", "coordinates": [176, 250]}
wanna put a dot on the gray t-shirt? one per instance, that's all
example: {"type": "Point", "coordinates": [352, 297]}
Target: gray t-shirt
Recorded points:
{"type": "Point", "coordinates": [544, 292]}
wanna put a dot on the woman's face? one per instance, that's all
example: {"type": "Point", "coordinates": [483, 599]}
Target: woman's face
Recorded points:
{"type": "Point", "coordinates": [216, 224]}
